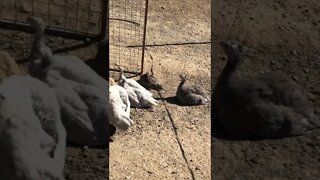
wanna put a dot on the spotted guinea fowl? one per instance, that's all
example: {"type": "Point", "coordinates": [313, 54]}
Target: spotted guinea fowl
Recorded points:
{"type": "Point", "coordinates": [149, 81]}
{"type": "Point", "coordinates": [191, 95]}
{"type": "Point", "coordinates": [82, 93]}
{"type": "Point", "coordinates": [269, 106]}
{"type": "Point", "coordinates": [139, 97]}
{"type": "Point", "coordinates": [119, 106]}
{"type": "Point", "coordinates": [32, 139]}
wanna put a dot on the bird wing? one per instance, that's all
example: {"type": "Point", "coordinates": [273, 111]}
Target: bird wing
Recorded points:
{"type": "Point", "coordinates": [75, 69]}
{"type": "Point", "coordinates": [74, 107]}
{"type": "Point", "coordinates": [250, 89]}
{"type": "Point", "coordinates": [134, 84]}
{"type": "Point", "coordinates": [47, 143]}
{"type": "Point", "coordinates": [145, 99]}
{"type": "Point", "coordinates": [125, 98]}
{"type": "Point", "coordinates": [119, 116]}
{"type": "Point", "coordinates": [199, 90]}
{"type": "Point", "coordinates": [134, 100]}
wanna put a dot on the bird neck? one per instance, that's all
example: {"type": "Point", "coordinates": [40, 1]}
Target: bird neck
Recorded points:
{"type": "Point", "coordinates": [39, 37]}
{"type": "Point", "coordinates": [183, 81]}
{"type": "Point", "coordinates": [121, 76]}
{"type": "Point", "coordinates": [226, 75]}
{"type": "Point", "coordinates": [234, 61]}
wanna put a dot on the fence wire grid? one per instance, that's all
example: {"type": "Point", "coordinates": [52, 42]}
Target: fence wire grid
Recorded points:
{"type": "Point", "coordinates": [127, 31]}
{"type": "Point", "coordinates": [70, 18]}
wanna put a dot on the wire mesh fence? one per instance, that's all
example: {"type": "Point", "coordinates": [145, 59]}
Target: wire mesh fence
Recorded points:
{"type": "Point", "coordinates": [127, 30]}
{"type": "Point", "coordinates": [70, 18]}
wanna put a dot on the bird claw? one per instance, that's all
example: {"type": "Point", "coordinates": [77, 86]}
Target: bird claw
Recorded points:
{"type": "Point", "coordinates": [151, 109]}
{"type": "Point", "coordinates": [111, 139]}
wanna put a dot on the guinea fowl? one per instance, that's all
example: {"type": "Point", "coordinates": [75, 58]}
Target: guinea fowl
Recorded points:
{"type": "Point", "coordinates": [268, 106]}
{"type": "Point", "coordinates": [119, 106]}
{"type": "Point", "coordinates": [139, 97]}
{"type": "Point", "coordinates": [149, 81]}
{"type": "Point", "coordinates": [81, 92]}
{"type": "Point", "coordinates": [191, 95]}
{"type": "Point", "coordinates": [32, 136]}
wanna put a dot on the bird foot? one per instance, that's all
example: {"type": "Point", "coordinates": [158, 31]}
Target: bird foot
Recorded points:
{"type": "Point", "coordinates": [151, 109]}
{"type": "Point", "coordinates": [111, 139]}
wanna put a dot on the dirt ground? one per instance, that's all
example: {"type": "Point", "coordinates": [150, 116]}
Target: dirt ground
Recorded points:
{"type": "Point", "coordinates": [279, 35]}
{"type": "Point", "coordinates": [173, 142]}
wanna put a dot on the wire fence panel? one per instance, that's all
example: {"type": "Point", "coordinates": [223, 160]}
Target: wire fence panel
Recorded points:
{"type": "Point", "coordinates": [69, 18]}
{"type": "Point", "coordinates": [127, 29]}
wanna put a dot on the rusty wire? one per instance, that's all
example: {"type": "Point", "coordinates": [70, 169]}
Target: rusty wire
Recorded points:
{"type": "Point", "coordinates": [73, 19]}
{"type": "Point", "coordinates": [127, 22]}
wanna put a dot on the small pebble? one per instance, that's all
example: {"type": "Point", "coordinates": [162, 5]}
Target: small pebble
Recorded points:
{"type": "Point", "coordinates": [294, 52]}
{"type": "Point", "coordinates": [295, 78]}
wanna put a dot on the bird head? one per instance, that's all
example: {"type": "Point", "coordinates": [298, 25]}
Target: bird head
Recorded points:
{"type": "Point", "coordinates": [121, 69]}
{"type": "Point", "coordinates": [36, 23]}
{"type": "Point", "coordinates": [228, 46]}
{"type": "Point", "coordinates": [121, 75]}
{"type": "Point", "coordinates": [183, 77]}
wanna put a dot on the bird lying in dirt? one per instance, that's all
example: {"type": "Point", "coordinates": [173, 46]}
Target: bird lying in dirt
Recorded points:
{"type": "Point", "coordinates": [268, 106]}
{"type": "Point", "coordinates": [119, 106]}
{"type": "Point", "coordinates": [149, 81]}
{"type": "Point", "coordinates": [81, 92]}
{"type": "Point", "coordinates": [191, 95]}
{"type": "Point", "coordinates": [139, 97]}
{"type": "Point", "coordinates": [32, 136]}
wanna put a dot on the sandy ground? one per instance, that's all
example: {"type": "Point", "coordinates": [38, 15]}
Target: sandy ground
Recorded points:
{"type": "Point", "coordinates": [279, 35]}
{"type": "Point", "coordinates": [173, 142]}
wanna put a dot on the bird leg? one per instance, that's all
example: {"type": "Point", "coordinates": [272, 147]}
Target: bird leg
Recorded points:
{"type": "Point", "coordinates": [151, 109]}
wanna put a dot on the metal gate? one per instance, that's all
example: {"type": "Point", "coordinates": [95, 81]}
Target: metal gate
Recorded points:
{"type": "Point", "coordinates": [75, 19]}
{"type": "Point", "coordinates": [127, 34]}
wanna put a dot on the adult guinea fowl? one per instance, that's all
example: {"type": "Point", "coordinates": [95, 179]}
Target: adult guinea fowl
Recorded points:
{"type": "Point", "coordinates": [139, 97]}
{"type": "Point", "coordinates": [82, 93]}
{"type": "Point", "coordinates": [191, 95]}
{"type": "Point", "coordinates": [32, 137]}
{"type": "Point", "coordinates": [268, 106]}
{"type": "Point", "coordinates": [119, 106]}
{"type": "Point", "coordinates": [149, 81]}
